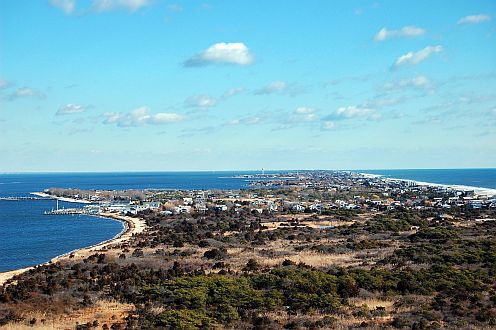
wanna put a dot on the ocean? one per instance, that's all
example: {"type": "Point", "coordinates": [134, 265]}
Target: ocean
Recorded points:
{"type": "Point", "coordinates": [27, 237]}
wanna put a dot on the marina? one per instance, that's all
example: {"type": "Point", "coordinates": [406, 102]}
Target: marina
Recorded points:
{"type": "Point", "coordinates": [88, 209]}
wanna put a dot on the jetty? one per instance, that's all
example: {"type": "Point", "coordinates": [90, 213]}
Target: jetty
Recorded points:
{"type": "Point", "coordinates": [24, 198]}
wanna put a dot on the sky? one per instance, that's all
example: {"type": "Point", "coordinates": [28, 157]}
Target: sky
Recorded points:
{"type": "Point", "coordinates": [158, 85]}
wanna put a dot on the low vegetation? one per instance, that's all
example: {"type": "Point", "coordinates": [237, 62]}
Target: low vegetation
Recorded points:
{"type": "Point", "coordinates": [393, 269]}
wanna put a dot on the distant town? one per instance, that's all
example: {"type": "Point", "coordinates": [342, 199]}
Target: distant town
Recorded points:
{"type": "Point", "coordinates": [303, 192]}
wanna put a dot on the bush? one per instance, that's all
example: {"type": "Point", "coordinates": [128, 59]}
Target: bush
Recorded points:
{"type": "Point", "coordinates": [215, 254]}
{"type": "Point", "coordinates": [251, 265]}
{"type": "Point", "coordinates": [184, 319]}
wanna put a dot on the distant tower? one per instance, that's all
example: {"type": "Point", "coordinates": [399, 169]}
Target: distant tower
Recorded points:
{"type": "Point", "coordinates": [263, 171]}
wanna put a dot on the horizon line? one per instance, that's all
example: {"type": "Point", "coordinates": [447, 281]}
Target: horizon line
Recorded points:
{"type": "Point", "coordinates": [245, 170]}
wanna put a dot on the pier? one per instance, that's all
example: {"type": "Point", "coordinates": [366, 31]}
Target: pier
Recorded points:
{"type": "Point", "coordinates": [24, 198]}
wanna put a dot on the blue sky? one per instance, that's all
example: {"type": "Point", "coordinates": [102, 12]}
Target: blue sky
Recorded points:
{"type": "Point", "coordinates": [116, 85]}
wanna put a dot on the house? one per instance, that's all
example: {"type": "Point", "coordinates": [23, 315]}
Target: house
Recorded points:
{"type": "Point", "coordinates": [220, 208]}
{"type": "Point", "coordinates": [151, 205]}
{"type": "Point", "coordinates": [121, 208]}
{"type": "Point", "coordinates": [272, 207]}
{"type": "Point", "coordinates": [201, 208]}
{"type": "Point", "coordinates": [92, 209]}
{"type": "Point", "coordinates": [297, 207]}
{"type": "Point", "coordinates": [181, 209]}
{"type": "Point", "coordinates": [317, 207]}
{"type": "Point", "coordinates": [475, 204]}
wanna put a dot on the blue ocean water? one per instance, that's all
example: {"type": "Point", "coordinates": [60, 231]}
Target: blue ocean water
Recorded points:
{"type": "Point", "coordinates": [27, 237]}
{"type": "Point", "coordinates": [475, 177]}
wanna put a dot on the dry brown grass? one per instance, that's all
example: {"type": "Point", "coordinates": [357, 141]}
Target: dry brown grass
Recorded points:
{"type": "Point", "coordinates": [239, 256]}
{"type": "Point", "coordinates": [272, 225]}
{"type": "Point", "coordinates": [372, 303]}
{"type": "Point", "coordinates": [105, 312]}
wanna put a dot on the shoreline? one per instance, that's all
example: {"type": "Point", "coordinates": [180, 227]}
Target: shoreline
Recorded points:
{"type": "Point", "coordinates": [131, 226]}
{"type": "Point", "coordinates": [63, 199]}
{"type": "Point", "coordinates": [490, 192]}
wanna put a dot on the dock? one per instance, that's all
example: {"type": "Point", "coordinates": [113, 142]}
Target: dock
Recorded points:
{"type": "Point", "coordinates": [89, 209]}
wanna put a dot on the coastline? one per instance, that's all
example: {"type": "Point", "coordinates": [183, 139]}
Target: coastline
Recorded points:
{"type": "Point", "coordinates": [131, 226]}
{"type": "Point", "coordinates": [64, 199]}
{"type": "Point", "coordinates": [477, 190]}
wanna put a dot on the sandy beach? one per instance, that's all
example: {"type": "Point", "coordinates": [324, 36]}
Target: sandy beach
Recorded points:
{"type": "Point", "coordinates": [480, 191]}
{"type": "Point", "coordinates": [64, 199]}
{"type": "Point", "coordinates": [132, 226]}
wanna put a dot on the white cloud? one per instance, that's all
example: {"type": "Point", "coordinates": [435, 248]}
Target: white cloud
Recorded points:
{"type": "Point", "coordinates": [67, 6]}
{"type": "Point", "coordinates": [252, 120]}
{"type": "Point", "coordinates": [100, 6]}
{"type": "Point", "coordinates": [406, 31]}
{"type": "Point", "coordinates": [417, 57]}
{"type": "Point", "coordinates": [474, 19]}
{"type": "Point", "coordinates": [108, 5]}
{"type": "Point", "coordinates": [165, 117]}
{"type": "Point", "coordinates": [222, 53]}
{"type": "Point", "coordinates": [25, 92]}
{"type": "Point", "coordinates": [310, 117]}
{"type": "Point", "coordinates": [273, 87]}
{"type": "Point", "coordinates": [418, 81]}
{"type": "Point", "coordinates": [202, 101]}
{"type": "Point", "coordinates": [205, 101]}
{"type": "Point", "coordinates": [70, 109]}
{"type": "Point", "coordinates": [351, 112]}
{"type": "Point", "coordinates": [246, 121]}
{"type": "Point", "coordinates": [302, 114]}
{"type": "Point", "coordinates": [384, 102]}
{"type": "Point", "coordinates": [139, 117]}
{"type": "Point", "coordinates": [232, 92]}
{"type": "Point", "coordinates": [304, 110]}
